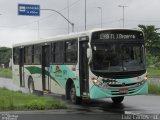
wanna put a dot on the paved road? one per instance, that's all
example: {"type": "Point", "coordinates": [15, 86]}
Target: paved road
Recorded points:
{"type": "Point", "coordinates": [144, 107]}
{"type": "Point", "coordinates": [8, 83]}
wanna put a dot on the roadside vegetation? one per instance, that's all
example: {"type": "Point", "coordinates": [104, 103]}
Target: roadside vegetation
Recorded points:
{"type": "Point", "coordinates": [11, 100]}
{"type": "Point", "coordinates": [154, 89]}
{"type": "Point", "coordinates": [153, 72]}
{"type": "Point", "coordinates": [5, 56]}
{"type": "Point", "coordinates": [5, 72]}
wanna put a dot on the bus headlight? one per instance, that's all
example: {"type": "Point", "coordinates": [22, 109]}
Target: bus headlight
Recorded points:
{"type": "Point", "coordinates": [97, 82]}
{"type": "Point", "coordinates": [146, 77]}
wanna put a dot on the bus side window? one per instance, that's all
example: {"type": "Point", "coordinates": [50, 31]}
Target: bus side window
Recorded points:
{"type": "Point", "coordinates": [28, 55]}
{"type": "Point", "coordinates": [71, 51]}
{"type": "Point", "coordinates": [53, 52]}
{"type": "Point", "coordinates": [16, 56]}
{"type": "Point", "coordinates": [37, 54]}
{"type": "Point", "coordinates": [59, 52]}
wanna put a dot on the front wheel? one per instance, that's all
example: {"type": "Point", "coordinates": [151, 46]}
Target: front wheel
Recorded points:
{"type": "Point", "coordinates": [117, 100]}
{"type": "Point", "coordinates": [73, 98]}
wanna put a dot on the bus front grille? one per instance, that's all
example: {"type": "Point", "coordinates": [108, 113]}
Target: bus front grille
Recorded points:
{"type": "Point", "coordinates": [121, 85]}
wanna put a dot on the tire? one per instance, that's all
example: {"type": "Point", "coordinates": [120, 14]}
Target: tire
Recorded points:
{"type": "Point", "coordinates": [31, 86]}
{"type": "Point", "coordinates": [117, 100]}
{"type": "Point", "coordinates": [72, 94]}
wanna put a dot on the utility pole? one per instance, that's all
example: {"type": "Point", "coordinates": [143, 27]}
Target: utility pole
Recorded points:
{"type": "Point", "coordinates": [68, 13]}
{"type": "Point", "coordinates": [38, 33]}
{"type": "Point", "coordinates": [123, 12]}
{"type": "Point", "coordinates": [101, 14]}
{"type": "Point", "coordinates": [85, 15]}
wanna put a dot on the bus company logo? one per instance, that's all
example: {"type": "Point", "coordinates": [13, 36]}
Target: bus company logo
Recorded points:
{"type": "Point", "coordinates": [57, 69]}
{"type": "Point", "coordinates": [114, 82]}
{"type": "Point", "coordinates": [58, 72]}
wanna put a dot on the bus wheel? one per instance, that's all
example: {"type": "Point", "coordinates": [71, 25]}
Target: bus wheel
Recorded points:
{"type": "Point", "coordinates": [117, 100]}
{"type": "Point", "coordinates": [73, 98]}
{"type": "Point", "coordinates": [31, 86]}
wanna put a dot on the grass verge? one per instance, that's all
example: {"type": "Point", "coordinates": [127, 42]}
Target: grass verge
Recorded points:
{"type": "Point", "coordinates": [11, 100]}
{"type": "Point", "coordinates": [153, 89]}
{"type": "Point", "coordinates": [153, 72]}
{"type": "Point", "coordinates": [6, 73]}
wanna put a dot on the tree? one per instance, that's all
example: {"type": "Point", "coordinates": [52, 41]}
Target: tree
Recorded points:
{"type": "Point", "coordinates": [152, 43]}
{"type": "Point", "coordinates": [5, 55]}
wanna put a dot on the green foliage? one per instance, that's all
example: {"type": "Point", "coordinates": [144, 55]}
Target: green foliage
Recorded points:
{"type": "Point", "coordinates": [6, 73]}
{"type": "Point", "coordinates": [11, 100]}
{"type": "Point", "coordinates": [151, 35]}
{"type": "Point", "coordinates": [5, 55]}
{"type": "Point", "coordinates": [35, 105]}
{"type": "Point", "coordinates": [41, 104]}
{"type": "Point", "coordinates": [152, 43]}
{"type": "Point", "coordinates": [154, 89]}
{"type": "Point", "coordinates": [152, 61]}
{"type": "Point", "coordinates": [153, 72]}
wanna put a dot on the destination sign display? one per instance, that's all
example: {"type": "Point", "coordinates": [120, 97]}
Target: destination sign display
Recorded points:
{"type": "Point", "coordinates": [117, 35]}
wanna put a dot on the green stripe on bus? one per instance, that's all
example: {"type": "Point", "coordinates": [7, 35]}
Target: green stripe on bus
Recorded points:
{"type": "Point", "coordinates": [34, 70]}
{"type": "Point", "coordinates": [37, 70]}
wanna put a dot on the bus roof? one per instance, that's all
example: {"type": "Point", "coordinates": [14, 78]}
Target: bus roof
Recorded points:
{"type": "Point", "coordinates": [68, 36]}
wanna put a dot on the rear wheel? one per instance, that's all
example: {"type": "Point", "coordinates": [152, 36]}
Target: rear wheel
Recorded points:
{"type": "Point", "coordinates": [73, 98]}
{"type": "Point", "coordinates": [31, 86]}
{"type": "Point", "coordinates": [117, 100]}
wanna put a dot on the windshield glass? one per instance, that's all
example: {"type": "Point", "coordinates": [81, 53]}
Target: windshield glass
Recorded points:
{"type": "Point", "coordinates": [118, 57]}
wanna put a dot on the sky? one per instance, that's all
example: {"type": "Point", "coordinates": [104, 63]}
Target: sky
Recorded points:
{"type": "Point", "coordinates": [17, 29]}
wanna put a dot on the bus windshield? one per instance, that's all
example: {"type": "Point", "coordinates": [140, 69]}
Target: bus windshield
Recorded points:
{"type": "Point", "coordinates": [117, 57]}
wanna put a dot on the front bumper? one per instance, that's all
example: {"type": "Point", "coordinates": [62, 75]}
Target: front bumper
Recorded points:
{"type": "Point", "coordinates": [99, 92]}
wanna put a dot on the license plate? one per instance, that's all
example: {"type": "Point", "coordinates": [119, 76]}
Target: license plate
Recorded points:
{"type": "Point", "coordinates": [123, 91]}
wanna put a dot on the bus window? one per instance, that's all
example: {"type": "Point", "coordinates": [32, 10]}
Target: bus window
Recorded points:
{"type": "Point", "coordinates": [37, 54]}
{"type": "Point", "coordinates": [71, 51]}
{"type": "Point", "coordinates": [52, 53]}
{"type": "Point", "coordinates": [16, 56]}
{"type": "Point", "coordinates": [28, 54]}
{"type": "Point", "coordinates": [59, 54]}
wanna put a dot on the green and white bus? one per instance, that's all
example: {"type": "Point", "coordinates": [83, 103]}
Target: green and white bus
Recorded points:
{"type": "Point", "coordinates": [101, 63]}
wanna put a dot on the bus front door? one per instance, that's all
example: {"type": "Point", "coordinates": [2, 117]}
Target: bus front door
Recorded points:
{"type": "Point", "coordinates": [83, 67]}
{"type": "Point", "coordinates": [45, 68]}
{"type": "Point", "coordinates": [21, 67]}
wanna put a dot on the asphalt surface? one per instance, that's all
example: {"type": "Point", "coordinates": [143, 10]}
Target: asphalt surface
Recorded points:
{"type": "Point", "coordinates": [143, 107]}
